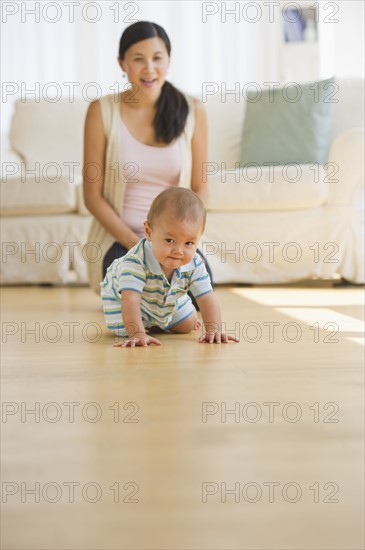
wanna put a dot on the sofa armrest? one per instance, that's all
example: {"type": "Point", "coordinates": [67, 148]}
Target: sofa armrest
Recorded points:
{"type": "Point", "coordinates": [11, 164]}
{"type": "Point", "coordinates": [36, 197]}
{"type": "Point", "coordinates": [345, 168]}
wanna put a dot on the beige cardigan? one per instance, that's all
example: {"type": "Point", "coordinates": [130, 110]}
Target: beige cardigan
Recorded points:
{"type": "Point", "coordinates": [114, 185]}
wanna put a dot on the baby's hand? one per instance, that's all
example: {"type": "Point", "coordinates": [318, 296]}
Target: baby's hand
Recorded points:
{"type": "Point", "coordinates": [217, 337]}
{"type": "Point", "coordinates": [143, 340]}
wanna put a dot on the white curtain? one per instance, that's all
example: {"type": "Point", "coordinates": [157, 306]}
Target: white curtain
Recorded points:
{"type": "Point", "coordinates": [77, 41]}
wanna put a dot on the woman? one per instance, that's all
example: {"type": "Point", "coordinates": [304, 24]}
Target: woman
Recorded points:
{"type": "Point", "coordinates": [137, 143]}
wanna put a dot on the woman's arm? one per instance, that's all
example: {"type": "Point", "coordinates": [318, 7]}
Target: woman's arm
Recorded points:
{"type": "Point", "coordinates": [199, 145]}
{"type": "Point", "coordinates": [94, 153]}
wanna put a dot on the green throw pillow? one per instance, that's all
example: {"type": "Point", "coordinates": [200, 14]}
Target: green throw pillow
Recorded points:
{"type": "Point", "coordinates": [290, 124]}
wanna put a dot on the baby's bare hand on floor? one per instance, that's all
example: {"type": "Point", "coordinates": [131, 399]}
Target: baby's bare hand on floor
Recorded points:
{"type": "Point", "coordinates": [142, 341]}
{"type": "Point", "coordinates": [216, 338]}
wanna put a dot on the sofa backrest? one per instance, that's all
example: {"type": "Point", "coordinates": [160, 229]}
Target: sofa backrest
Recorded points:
{"type": "Point", "coordinates": [225, 126]}
{"type": "Point", "coordinates": [226, 117]}
{"type": "Point", "coordinates": [48, 132]}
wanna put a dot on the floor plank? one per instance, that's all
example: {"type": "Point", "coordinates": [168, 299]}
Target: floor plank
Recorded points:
{"type": "Point", "coordinates": [256, 445]}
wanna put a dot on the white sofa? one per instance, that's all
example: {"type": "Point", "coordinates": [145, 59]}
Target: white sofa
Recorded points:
{"type": "Point", "coordinates": [265, 225]}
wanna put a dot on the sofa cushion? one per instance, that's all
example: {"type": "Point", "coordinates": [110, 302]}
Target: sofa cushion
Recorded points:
{"type": "Point", "coordinates": [226, 113]}
{"type": "Point", "coordinates": [268, 188]}
{"type": "Point", "coordinates": [290, 124]}
{"type": "Point", "coordinates": [37, 249]}
{"type": "Point", "coordinates": [225, 121]}
{"type": "Point", "coordinates": [32, 198]}
{"type": "Point", "coordinates": [44, 132]}
{"type": "Point", "coordinates": [349, 111]}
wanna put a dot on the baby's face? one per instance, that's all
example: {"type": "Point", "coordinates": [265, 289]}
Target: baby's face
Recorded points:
{"type": "Point", "coordinates": [174, 243]}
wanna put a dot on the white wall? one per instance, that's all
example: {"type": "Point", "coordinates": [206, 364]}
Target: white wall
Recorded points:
{"type": "Point", "coordinates": [223, 48]}
{"type": "Point", "coordinates": [349, 39]}
{"type": "Point", "coordinates": [39, 52]}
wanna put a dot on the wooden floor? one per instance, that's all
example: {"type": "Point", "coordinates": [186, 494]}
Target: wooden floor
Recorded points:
{"type": "Point", "coordinates": [256, 445]}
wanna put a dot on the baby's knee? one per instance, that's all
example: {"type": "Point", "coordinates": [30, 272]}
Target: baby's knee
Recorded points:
{"type": "Point", "coordinates": [187, 325]}
{"type": "Point", "coordinates": [191, 322]}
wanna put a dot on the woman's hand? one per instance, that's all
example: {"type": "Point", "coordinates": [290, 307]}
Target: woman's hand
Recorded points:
{"type": "Point", "coordinates": [216, 337]}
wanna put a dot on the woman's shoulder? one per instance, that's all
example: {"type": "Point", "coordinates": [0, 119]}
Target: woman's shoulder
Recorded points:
{"type": "Point", "coordinates": [100, 105]}
{"type": "Point", "coordinates": [197, 111]}
{"type": "Point", "coordinates": [192, 100]}
{"type": "Point", "coordinates": [108, 99]}
{"type": "Point", "coordinates": [105, 108]}
{"type": "Point", "coordinates": [196, 106]}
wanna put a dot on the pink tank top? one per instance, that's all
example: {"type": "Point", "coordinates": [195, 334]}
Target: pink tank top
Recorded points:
{"type": "Point", "coordinates": [147, 170]}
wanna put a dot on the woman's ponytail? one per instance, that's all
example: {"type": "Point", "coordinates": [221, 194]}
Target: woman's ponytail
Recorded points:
{"type": "Point", "coordinates": [171, 114]}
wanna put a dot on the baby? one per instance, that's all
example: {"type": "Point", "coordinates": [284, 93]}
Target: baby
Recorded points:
{"type": "Point", "coordinates": [148, 287]}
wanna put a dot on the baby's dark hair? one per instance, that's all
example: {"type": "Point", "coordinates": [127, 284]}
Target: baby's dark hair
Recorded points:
{"type": "Point", "coordinates": [183, 203]}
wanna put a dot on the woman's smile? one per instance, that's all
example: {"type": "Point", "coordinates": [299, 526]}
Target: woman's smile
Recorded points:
{"type": "Point", "coordinates": [148, 83]}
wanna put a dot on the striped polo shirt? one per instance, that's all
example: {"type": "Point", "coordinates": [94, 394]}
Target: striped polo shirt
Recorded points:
{"type": "Point", "coordinates": [162, 302]}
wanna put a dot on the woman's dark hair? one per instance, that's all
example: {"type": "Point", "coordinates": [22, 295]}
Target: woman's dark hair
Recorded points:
{"type": "Point", "coordinates": [172, 108]}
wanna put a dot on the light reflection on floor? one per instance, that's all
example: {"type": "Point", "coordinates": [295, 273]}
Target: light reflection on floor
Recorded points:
{"type": "Point", "coordinates": [306, 296]}
{"type": "Point", "coordinates": [312, 310]}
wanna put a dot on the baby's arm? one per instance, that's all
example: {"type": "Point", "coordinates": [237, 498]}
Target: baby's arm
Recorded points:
{"type": "Point", "coordinates": [132, 319]}
{"type": "Point", "coordinates": [210, 310]}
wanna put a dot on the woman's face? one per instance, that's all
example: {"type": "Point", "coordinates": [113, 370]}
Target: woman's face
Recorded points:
{"type": "Point", "coordinates": [146, 64]}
